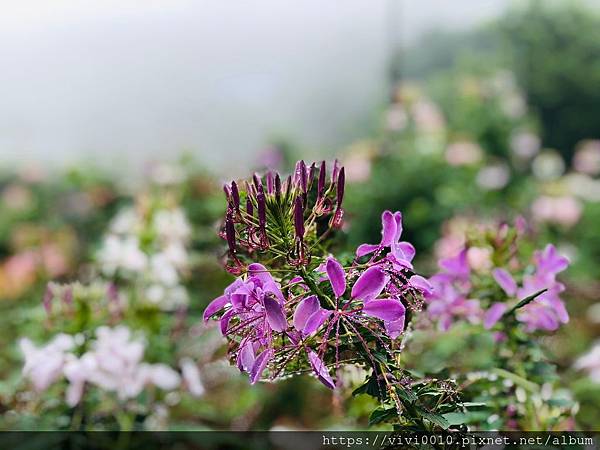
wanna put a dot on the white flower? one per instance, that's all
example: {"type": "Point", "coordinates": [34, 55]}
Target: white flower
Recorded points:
{"type": "Point", "coordinates": [161, 375]}
{"type": "Point", "coordinates": [172, 225]}
{"type": "Point", "coordinates": [121, 253]}
{"type": "Point", "coordinates": [115, 364]}
{"type": "Point", "coordinates": [590, 362]}
{"type": "Point", "coordinates": [44, 365]}
{"type": "Point", "coordinates": [78, 371]}
{"type": "Point", "coordinates": [191, 377]}
{"type": "Point", "coordinates": [493, 177]}
{"type": "Point", "coordinates": [163, 270]}
{"type": "Point", "coordinates": [125, 222]}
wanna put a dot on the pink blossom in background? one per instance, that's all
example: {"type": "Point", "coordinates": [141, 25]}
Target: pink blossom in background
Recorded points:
{"type": "Point", "coordinates": [463, 153]}
{"type": "Point", "coordinates": [587, 157]}
{"type": "Point", "coordinates": [565, 210]}
{"type": "Point", "coordinates": [525, 144]}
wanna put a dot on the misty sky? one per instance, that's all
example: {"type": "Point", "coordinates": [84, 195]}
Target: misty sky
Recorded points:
{"type": "Point", "coordinates": [119, 82]}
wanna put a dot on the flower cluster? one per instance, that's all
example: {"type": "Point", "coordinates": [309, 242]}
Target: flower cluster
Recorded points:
{"type": "Point", "coordinates": [294, 317]}
{"type": "Point", "coordinates": [279, 219]}
{"type": "Point", "coordinates": [113, 363]}
{"type": "Point", "coordinates": [466, 286]}
{"type": "Point", "coordinates": [151, 245]}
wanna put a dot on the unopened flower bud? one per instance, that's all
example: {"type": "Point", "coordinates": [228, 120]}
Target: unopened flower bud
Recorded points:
{"type": "Point", "coordinates": [299, 218]}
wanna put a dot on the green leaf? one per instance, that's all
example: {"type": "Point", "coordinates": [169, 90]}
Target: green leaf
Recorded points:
{"type": "Point", "coordinates": [381, 415]}
{"type": "Point", "coordinates": [524, 302]}
{"type": "Point", "coordinates": [455, 418]}
{"type": "Point", "coordinates": [406, 394]}
{"type": "Point", "coordinates": [434, 418]}
{"type": "Point", "coordinates": [473, 404]}
{"type": "Point", "coordinates": [370, 387]}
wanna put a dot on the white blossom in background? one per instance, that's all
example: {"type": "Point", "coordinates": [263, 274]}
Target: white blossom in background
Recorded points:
{"type": "Point", "coordinates": [44, 365]}
{"type": "Point", "coordinates": [493, 177]}
{"type": "Point", "coordinates": [590, 362]}
{"type": "Point", "coordinates": [158, 267]}
{"type": "Point", "coordinates": [191, 377]}
{"type": "Point", "coordinates": [121, 253]}
{"type": "Point", "coordinates": [114, 363]}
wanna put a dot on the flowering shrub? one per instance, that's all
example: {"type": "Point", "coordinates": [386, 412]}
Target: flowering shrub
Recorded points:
{"type": "Point", "coordinates": [294, 308]}
{"type": "Point", "coordinates": [114, 356]}
{"type": "Point", "coordinates": [492, 285]}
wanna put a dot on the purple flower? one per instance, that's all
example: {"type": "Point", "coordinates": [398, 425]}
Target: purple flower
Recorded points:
{"type": "Point", "coordinates": [370, 284]}
{"type": "Point", "coordinates": [401, 253]}
{"type": "Point", "coordinates": [320, 370]}
{"type": "Point", "coordinates": [457, 267]}
{"type": "Point", "coordinates": [494, 314]}
{"type": "Point", "coordinates": [547, 311]}
{"type": "Point", "coordinates": [447, 302]}
{"type": "Point", "coordinates": [309, 315]}
{"type": "Point", "coordinates": [253, 309]}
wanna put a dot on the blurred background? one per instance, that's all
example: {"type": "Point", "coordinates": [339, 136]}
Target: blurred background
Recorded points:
{"type": "Point", "coordinates": [132, 80]}
{"type": "Point", "coordinates": [453, 112]}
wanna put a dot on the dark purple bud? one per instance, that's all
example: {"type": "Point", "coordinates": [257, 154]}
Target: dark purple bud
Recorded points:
{"type": "Point", "coordinates": [335, 172]}
{"type": "Point", "coordinates": [303, 178]}
{"type": "Point", "coordinates": [297, 171]}
{"type": "Point", "coordinates": [257, 182]}
{"type": "Point", "coordinates": [249, 207]}
{"type": "Point", "coordinates": [311, 174]}
{"type": "Point", "coordinates": [270, 183]}
{"type": "Point", "coordinates": [322, 175]}
{"type": "Point", "coordinates": [230, 232]}
{"type": "Point", "coordinates": [299, 218]}
{"type": "Point", "coordinates": [47, 299]}
{"type": "Point", "coordinates": [338, 216]}
{"type": "Point", "coordinates": [227, 192]}
{"type": "Point", "coordinates": [288, 186]}
{"type": "Point", "coordinates": [277, 186]}
{"type": "Point", "coordinates": [235, 194]}
{"type": "Point", "coordinates": [262, 210]}
{"type": "Point", "coordinates": [340, 187]}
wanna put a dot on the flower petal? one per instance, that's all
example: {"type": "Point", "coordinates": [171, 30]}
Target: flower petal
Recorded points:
{"type": "Point", "coordinates": [457, 266]}
{"type": "Point", "coordinates": [422, 284]}
{"type": "Point", "coordinates": [385, 309]}
{"type": "Point", "coordinates": [505, 280]}
{"type": "Point", "coordinates": [259, 365]}
{"type": "Point", "coordinates": [304, 310]}
{"type": "Point", "coordinates": [493, 315]}
{"type": "Point", "coordinates": [224, 322]}
{"type": "Point", "coordinates": [214, 306]}
{"type": "Point", "coordinates": [388, 228]}
{"type": "Point", "coordinates": [404, 250]}
{"type": "Point", "coordinates": [395, 328]}
{"type": "Point", "coordinates": [365, 249]}
{"type": "Point", "coordinates": [275, 315]}
{"type": "Point", "coordinates": [370, 284]}
{"type": "Point", "coordinates": [315, 321]}
{"type": "Point", "coordinates": [260, 272]}
{"type": "Point", "coordinates": [246, 357]}
{"type": "Point", "coordinates": [398, 219]}
{"type": "Point", "coordinates": [337, 276]}
{"type": "Point", "coordinates": [320, 370]}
